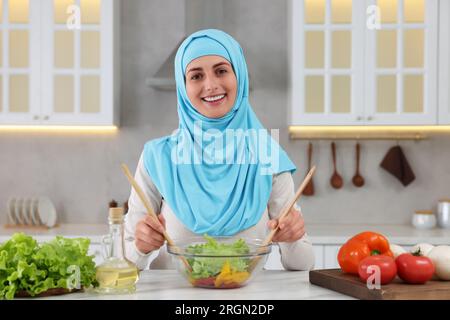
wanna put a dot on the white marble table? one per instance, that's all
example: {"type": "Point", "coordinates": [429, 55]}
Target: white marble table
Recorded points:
{"type": "Point", "coordinates": [267, 285]}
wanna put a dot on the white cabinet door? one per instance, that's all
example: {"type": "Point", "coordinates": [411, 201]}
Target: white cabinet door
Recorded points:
{"type": "Point", "coordinates": [318, 256]}
{"type": "Point", "coordinates": [19, 70]}
{"type": "Point", "coordinates": [59, 63]}
{"type": "Point", "coordinates": [444, 63]}
{"type": "Point", "coordinates": [401, 64]}
{"type": "Point", "coordinates": [78, 62]}
{"type": "Point", "coordinates": [326, 59]}
{"type": "Point", "coordinates": [274, 259]}
{"type": "Point", "coordinates": [96, 250]}
{"type": "Point", "coordinates": [331, 253]}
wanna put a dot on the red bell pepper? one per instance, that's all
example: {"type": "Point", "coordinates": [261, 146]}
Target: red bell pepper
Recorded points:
{"type": "Point", "coordinates": [361, 246]}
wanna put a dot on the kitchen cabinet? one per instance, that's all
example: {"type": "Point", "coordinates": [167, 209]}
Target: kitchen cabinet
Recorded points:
{"type": "Point", "coordinates": [348, 68]}
{"type": "Point", "coordinates": [96, 250]}
{"type": "Point", "coordinates": [326, 255]}
{"type": "Point", "coordinates": [444, 63]}
{"type": "Point", "coordinates": [59, 62]}
{"type": "Point", "coordinates": [274, 259]}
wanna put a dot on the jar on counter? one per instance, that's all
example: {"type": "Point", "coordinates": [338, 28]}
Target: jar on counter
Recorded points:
{"type": "Point", "coordinates": [424, 219]}
{"type": "Point", "coordinates": [443, 213]}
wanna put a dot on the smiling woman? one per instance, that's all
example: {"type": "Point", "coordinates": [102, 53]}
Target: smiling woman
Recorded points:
{"type": "Point", "coordinates": [241, 196]}
{"type": "Point", "coordinates": [211, 85]}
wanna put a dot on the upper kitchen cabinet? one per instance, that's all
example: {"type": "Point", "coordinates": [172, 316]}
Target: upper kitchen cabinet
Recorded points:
{"type": "Point", "coordinates": [363, 62]}
{"type": "Point", "coordinates": [19, 72]}
{"type": "Point", "coordinates": [60, 62]}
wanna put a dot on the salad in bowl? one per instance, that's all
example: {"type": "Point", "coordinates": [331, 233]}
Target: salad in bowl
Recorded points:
{"type": "Point", "coordinates": [219, 262]}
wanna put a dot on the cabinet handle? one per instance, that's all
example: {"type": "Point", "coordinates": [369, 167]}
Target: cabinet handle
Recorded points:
{"type": "Point", "coordinates": [35, 117]}
{"type": "Point", "coordinates": [359, 118]}
{"type": "Point", "coordinates": [46, 117]}
{"type": "Point", "coordinates": [369, 118]}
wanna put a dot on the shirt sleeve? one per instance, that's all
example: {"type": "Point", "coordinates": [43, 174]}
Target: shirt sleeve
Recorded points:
{"type": "Point", "coordinates": [136, 212]}
{"type": "Point", "coordinates": [297, 255]}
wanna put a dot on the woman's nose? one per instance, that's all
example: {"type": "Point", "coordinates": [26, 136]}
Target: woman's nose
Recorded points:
{"type": "Point", "coordinates": [211, 84]}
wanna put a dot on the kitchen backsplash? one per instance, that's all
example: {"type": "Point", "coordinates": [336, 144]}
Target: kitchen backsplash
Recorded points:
{"type": "Point", "coordinates": [81, 173]}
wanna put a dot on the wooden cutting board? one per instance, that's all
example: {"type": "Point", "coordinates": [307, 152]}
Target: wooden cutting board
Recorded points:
{"type": "Point", "coordinates": [48, 293]}
{"type": "Point", "coordinates": [336, 280]}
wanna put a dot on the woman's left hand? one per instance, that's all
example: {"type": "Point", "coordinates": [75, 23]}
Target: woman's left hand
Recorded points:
{"type": "Point", "coordinates": [292, 227]}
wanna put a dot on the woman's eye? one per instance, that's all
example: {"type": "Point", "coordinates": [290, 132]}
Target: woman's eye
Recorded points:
{"type": "Point", "coordinates": [196, 76]}
{"type": "Point", "coordinates": [221, 71]}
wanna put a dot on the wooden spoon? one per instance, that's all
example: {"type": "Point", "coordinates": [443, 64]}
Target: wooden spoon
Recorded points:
{"type": "Point", "coordinates": [286, 209]}
{"type": "Point", "coordinates": [357, 180]}
{"type": "Point", "coordinates": [336, 180]}
{"type": "Point", "coordinates": [309, 189]}
{"type": "Point", "coordinates": [150, 211]}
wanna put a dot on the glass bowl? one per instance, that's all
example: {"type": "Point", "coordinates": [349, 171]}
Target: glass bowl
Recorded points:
{"type": "Point", "coordinates": [219, 262]}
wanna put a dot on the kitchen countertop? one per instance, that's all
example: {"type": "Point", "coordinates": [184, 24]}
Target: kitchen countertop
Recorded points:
{"type": "Point", "coordinates": [169, 285]}
{"type": "Point", "coordinates": [320, 234]}
{"type": "Point", "coordinates": [93, 231]}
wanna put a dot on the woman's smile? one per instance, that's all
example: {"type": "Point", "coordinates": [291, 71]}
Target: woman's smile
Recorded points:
{"type": "Point", "coordinates": [215, 100]}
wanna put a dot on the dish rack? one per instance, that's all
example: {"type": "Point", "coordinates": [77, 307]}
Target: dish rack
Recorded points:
{"type": "Point", "coordinates": [31, 213]}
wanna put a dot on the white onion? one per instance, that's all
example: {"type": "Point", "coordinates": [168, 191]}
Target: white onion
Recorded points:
{"type": "Point", "coordinates": [424, 248]}
{"type": "Point", "coordinates": [396, 250]}
{"type": "Point", "coordinates": [440, 256]}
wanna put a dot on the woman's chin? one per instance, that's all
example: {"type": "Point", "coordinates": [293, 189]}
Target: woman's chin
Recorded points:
{"type": "Point", "coordinates": [215, 111]}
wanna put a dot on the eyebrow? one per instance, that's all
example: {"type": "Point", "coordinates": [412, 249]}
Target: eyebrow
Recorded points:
{"type": "Point", "coordinates": [214, 66]}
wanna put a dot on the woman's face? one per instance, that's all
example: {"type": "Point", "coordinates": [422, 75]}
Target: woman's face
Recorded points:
{"type": "Point", "coordinates": [211, 85]}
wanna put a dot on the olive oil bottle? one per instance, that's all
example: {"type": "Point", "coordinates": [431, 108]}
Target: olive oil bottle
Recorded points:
{"type": "Point", "coordinates": [116, 275]}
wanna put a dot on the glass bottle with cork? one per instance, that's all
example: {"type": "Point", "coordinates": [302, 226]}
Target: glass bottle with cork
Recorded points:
{"type": "Point", "coordinates": [116, 274]}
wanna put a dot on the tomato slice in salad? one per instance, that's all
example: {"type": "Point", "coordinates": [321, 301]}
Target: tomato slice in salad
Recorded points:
{"type": "Point", "coordinates": [205, 282]}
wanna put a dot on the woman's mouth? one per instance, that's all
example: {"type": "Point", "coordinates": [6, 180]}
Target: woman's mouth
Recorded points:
{"type": "Point", "coordinates": [214, 100]}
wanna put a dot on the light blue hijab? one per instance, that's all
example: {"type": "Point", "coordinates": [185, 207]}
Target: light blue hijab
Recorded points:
{"type": "Point", "coordinates": [220, 187]}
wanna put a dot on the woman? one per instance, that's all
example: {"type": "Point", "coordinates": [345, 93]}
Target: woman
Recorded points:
{"type": "Point", "coordinates": [212, 175]}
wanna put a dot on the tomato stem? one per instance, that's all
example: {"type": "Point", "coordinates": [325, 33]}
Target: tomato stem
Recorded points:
{"type": "Point", "coordinates": [375, 253]}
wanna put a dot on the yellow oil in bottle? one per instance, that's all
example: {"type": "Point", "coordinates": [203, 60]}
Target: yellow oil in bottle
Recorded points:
{"type": "Point", "coordinates": [117, 277]}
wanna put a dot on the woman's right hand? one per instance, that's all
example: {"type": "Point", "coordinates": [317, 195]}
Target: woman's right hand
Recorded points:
{"type": "Point", "coordinates": [149, 233]}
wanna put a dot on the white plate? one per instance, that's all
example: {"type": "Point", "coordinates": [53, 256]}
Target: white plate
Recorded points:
{"type": "Point", "coordinates": [34, 212]}
{"type": "Point", "coordinates": [11, 210]}
{"type": "Point", "coordinates": [47, 212]}
{"type": "Point", "coordinates": [26, 212]}
{"type": "Point", "coordinates": [18, 211]}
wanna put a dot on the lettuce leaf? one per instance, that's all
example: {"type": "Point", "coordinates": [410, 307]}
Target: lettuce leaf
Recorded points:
{"type": "Point", "coordinates": [205, 267]}
{"type": "Point", "coordinates": [35, 268]}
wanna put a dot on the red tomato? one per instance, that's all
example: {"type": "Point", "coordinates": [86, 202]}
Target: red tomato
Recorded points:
{"type": "Point", "coordinates": [388, 269]}
{"type": "Point", "coordinates": [414, 269]}
{"type": "Point", "coordinates": [205, 282]}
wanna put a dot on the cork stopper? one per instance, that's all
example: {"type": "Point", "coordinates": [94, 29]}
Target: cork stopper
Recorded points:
{"type": "Point", "coordinates": [116, 214]}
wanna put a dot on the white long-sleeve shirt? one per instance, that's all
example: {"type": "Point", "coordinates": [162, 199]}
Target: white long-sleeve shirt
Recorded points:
{"type": "Point", "coordinates": [297, 255]}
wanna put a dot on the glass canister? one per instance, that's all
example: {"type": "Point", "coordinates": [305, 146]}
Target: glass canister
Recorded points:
{"type": "Point", "coordinates": [443, 213]}
{"type": "Point", "coordinates": [116, 274]}
{"type": "Point", "coordinates": [423, 219]}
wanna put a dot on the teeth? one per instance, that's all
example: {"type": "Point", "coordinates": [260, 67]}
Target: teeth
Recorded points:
{"type": "Point", "coordinates": [210, 99]}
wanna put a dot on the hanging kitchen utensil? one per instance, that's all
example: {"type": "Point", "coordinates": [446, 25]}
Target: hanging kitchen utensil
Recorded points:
{"type": "Point", "coordinates": [336, 180]}
{"type": "Point", "coordinates": [395, 163]}
{"type": "Point", "coordinates": [358, 180]}
{"type": "Point", "coordinates": [309, 189]}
